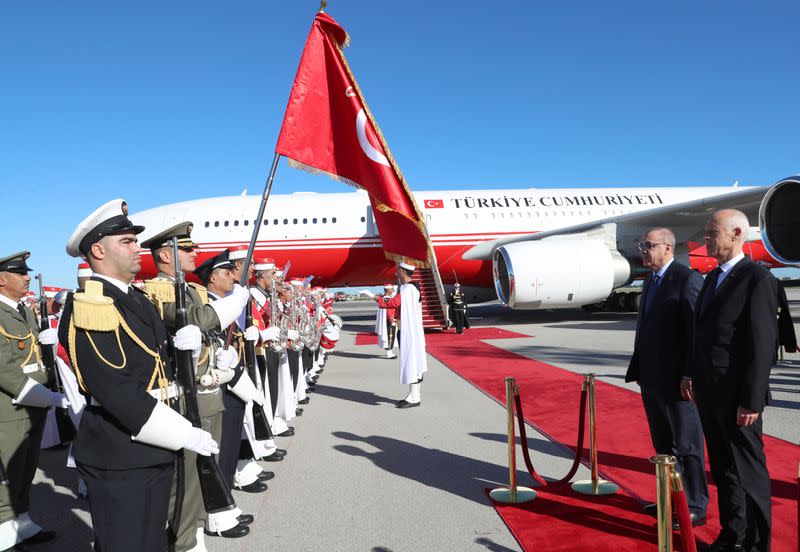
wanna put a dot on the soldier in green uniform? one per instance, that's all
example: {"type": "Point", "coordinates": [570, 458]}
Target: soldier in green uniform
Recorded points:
{"type": "Point", "coordinates": [212, 370]}
{"type": "Point", "coordinates": [458, 308]}
{"type": "Point", "coordinates": [23, 402]}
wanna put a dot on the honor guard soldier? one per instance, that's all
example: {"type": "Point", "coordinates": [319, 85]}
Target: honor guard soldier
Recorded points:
{"type": "Point", "coordinates": [386, 325]}
{"type": "Point", "coordinates": [413, 360]}
{"type": "Point", "coordinates": [211, 372]}
{"type": "Point", "coordinates": [457, 302]}
{"type": "Point", "coordinates": [23, 403]}
{"type": "Point", "coordinates": [216, 274]}
{"type": "Point", "coordinates": [126, 445]}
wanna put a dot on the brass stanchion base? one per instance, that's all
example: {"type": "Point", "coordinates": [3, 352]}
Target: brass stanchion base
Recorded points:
{"type": "Point", "coordinates": [603, 487]}
{"type": "Point", "coordinates": [503, 494]}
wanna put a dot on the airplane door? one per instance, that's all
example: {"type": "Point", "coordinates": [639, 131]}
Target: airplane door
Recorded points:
{"type": "Point", "coordinates": [372, 228]}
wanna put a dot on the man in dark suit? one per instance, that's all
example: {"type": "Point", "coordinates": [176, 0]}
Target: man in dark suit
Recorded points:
{"type": "Point", "coordinates": [736, 338]}
{"type": "Point", "coordinates": [662, 349]}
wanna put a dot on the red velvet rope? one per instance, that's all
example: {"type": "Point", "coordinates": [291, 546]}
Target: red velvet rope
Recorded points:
{"type": "Point", "coordinates": [523, 437]}
{"type": "Point", "coordinates": [685, 520]}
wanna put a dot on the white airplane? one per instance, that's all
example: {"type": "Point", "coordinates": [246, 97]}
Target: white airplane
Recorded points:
{"type": "Point", "coordinates": [534, 248]}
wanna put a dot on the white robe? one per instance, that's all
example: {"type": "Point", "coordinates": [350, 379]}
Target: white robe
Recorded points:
{"type": "Point", "coordinates": [380, 329]}
{"type": "Point", "coordinates": [413, 359]}
{"type": "Point", "coordinates": [287, 403]}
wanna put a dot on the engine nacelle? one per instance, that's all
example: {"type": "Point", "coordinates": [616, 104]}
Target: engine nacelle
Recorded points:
{"type": "Point", "coordinates": [557, 273]}
{"type": "Point", "coordinates": [779, 221]}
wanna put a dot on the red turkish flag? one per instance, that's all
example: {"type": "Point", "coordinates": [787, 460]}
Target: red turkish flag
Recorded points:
{"type": "Point", "coordinates": [328, 128]}
{"type": "Point", "coordinates": [434, 204]}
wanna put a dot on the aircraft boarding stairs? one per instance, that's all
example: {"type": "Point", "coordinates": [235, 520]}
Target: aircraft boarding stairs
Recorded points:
{"type": "Point", "coordinates": [434, 302]}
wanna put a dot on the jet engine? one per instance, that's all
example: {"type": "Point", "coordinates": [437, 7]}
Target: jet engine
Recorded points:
{"type": "Point", "coordinates": [557, 273]}
{"type": "Point", "coordinates": [779, 221]}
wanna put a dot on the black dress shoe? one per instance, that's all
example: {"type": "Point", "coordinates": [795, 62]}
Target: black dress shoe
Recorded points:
{"type": "Point", "coordinates": [304, 401]}
{"type": "Point", "coordinates": [408, 404]}
{"type": "Point", "coordinates": [401, 401]}
{"type": "Point", "coordinates": [245, 519]}
{"type": "Point", "coordinates": [719, 547]}
{"type": "Point", "coordinates": [281, 451]}
{"type": "Point", "coordinates": [265, 476]}
{"type": "Point", "coordinates": [232, 533]}
{"type": "Point", "coordinates": [254, 487]}
{"type": "Point", "coordinates": [288, 433]}
{"type": "Point", "coordinates": [651, 510]}
{"type": "Point", "coordinates": [298, 411]}
{"type": "Point", "coordinates": [697, 521]}
{"type": "Point", "coordinates": [40, 537]}
{"type": "Point", "coordinates": [274, 457]}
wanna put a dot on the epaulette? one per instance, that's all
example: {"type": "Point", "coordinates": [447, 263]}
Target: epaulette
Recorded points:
{"type": "Point", "coordinates": [93, 311]}
{"type": "Point", "coordinates": [201, 291]}
{"type": "Point", "coordinates": [160, 290]}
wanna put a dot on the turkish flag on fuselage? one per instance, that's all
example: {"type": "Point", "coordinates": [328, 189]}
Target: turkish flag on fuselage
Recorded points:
{"type": "Point", "coordinates": [328, 128]}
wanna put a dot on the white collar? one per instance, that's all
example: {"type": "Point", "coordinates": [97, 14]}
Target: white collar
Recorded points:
{"type": "Point", "coordinates": [214, 295]}
{"type": "Point", "coordinates": [664, 268]}
{"type": "Point", "coordinates": [8, 301]}
{"type": "Point", "coordinates": [119, 284]}
{"type": "Point", "coordinates": [725, 267]}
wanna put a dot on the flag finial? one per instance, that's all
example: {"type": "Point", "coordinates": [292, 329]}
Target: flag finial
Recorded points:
{"type": "Point", "coordinates": [322, 5]}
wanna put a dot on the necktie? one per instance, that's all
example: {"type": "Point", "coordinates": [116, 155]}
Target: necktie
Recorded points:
{"type": "Point", "coordinates": [651, 292]}
{"type": "Point", "coordinates": [711, 289]}
{"type": "Point", "coordinates": [21, 310]}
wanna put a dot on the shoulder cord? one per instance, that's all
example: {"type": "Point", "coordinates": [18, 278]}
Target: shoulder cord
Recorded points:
{"type": "Point", "coordinates": [158, 369]}
{"type": "Point", "coordinates": [24, 338]}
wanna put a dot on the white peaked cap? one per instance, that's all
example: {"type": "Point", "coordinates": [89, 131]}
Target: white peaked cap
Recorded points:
{"type": "Point", "coordinates": [108, 219]}
{"type": "Point", "coordinates": [407, 266]}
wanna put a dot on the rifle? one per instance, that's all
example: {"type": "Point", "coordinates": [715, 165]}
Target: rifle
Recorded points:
{"type": "Point", "coordinates": [260, 421]}
{"type": "Point", "coordinates": [66, 429]}
{"type": "Point", "coordinates": [216, 494]}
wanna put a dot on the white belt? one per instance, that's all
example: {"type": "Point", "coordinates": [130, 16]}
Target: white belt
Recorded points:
{"type": "Point", "coordinates": [31, 368]}
{"type": "Point", "coordinates": [172, 391]}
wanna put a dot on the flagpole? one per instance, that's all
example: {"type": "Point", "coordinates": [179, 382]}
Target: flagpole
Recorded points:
{"type": "Point", "coordinates": [243, 279]}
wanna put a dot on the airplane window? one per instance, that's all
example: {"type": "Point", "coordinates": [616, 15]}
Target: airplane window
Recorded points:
{"type": "Point", "coordinates": [305, 221]}
{"type": "Point", "coordinates": [294, 221]}
{"type": "Point", "coordinates": [363, 219]}
{"type": "Point", "coordinates": [314, 220]}
{"type": "Point", "coordinates": [275, 221]}
{"type": "Point", "coordinates": [247, 222]}
{"type": "Point", "coordinates": [286, 221]}
{"type": "Point", "coordinates": [333, 220]}
{"type": "Point", "coordinates": [236, 223]}
{"type": "Point", "coordinates": [216, 223]}
{"type": "Point", "coordinates": [324, 220]}
{"type": "Point", "coordinates": [208, 224]}
{"type": "Point", "coordinates": [226, 223]}
{"type": "Point", "coordinates": [266, 222]}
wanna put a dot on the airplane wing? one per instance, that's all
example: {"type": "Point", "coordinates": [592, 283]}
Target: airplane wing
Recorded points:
{"type": "Point", "coordinates": [687, 220]}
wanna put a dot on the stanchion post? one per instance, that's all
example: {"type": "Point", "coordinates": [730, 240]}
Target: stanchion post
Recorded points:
{"type": "Point", "coordinates": [513, 494]}
{"type": "Point", "coordinates": [664, 463]}
{"type": "Point", "coordinates": [688, 543]}
{"type": "Point", "coordinates": [595, 485]}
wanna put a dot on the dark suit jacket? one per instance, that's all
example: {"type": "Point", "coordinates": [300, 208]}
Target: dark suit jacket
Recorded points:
{"type": "Point", "coordinates": [664, 335]}
{"type": "Point", "coordinates": [736, 339]}
{"type": "Point", "coordinates": [104, 436]}
{"type": "Point", "coordinates": [787, 336]}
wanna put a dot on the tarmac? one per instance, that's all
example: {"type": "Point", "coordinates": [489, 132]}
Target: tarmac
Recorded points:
{"type": "Point", "coordinates": [361, 475]}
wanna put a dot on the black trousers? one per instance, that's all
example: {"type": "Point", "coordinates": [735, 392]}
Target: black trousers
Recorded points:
{"type": "Point", "coordinates": [676, 430]}
{"type": "Point", "coordinates": [739, 469]}
{"type": "Point", "coordinates": [129, 507]}
{"type": "Point", "coordinates": [391, 331]}
{"type": "Point", "coordinates": [273, 363]}
{"type": "Point", "coordinates": [230, 443]}
{"type": "Point", "coordinates": [459, 318]}
{"type": "Point", "coordinates": [308, 359]}
{"type": "Point", "coordinates": [294, 366]}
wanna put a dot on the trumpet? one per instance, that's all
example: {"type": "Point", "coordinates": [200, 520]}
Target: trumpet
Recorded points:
{"type": "Point", "coordinates": [278, 319]}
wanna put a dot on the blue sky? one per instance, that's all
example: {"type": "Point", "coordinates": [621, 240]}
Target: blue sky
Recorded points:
{"type": "Point", "coordinates": [164, 101]}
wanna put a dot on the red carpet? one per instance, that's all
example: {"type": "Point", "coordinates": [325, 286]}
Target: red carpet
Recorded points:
{"type": "Point", "coordinates": [550, 401]}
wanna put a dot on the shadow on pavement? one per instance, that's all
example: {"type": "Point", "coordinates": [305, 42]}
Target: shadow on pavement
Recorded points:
{"type": "Point", "coordinates": [363, 397]}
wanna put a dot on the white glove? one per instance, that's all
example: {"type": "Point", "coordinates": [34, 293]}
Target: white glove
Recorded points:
{"type": "Point", "coordinates": [293, 335]}
{"type": "Point", "coordinates": [241, 293]}
{"type": "Point", "coordinates": [201, 442]}
{"type": "Point", "coordinates": [272, 333]}
{"type": "Point", "coordinates": [188, 338]}
{"type": "Point", "coordinates": [247, 391]}
{"type": "Point", "coordinates": [226, 358]}
{"type": "Point", "coordinates": [48, 336]}
{"type": "Point", "coordinates": [251, 333]}
{"type": "Point", "coordinates": [36, 394]}
{"type": "Point", "coordinates": [59, 401]}
{"type": "Point", "coordinates": [224, 376]}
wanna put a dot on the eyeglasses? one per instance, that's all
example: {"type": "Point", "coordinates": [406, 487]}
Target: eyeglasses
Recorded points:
{"type": "Point", "coordinates": [647, 246]}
